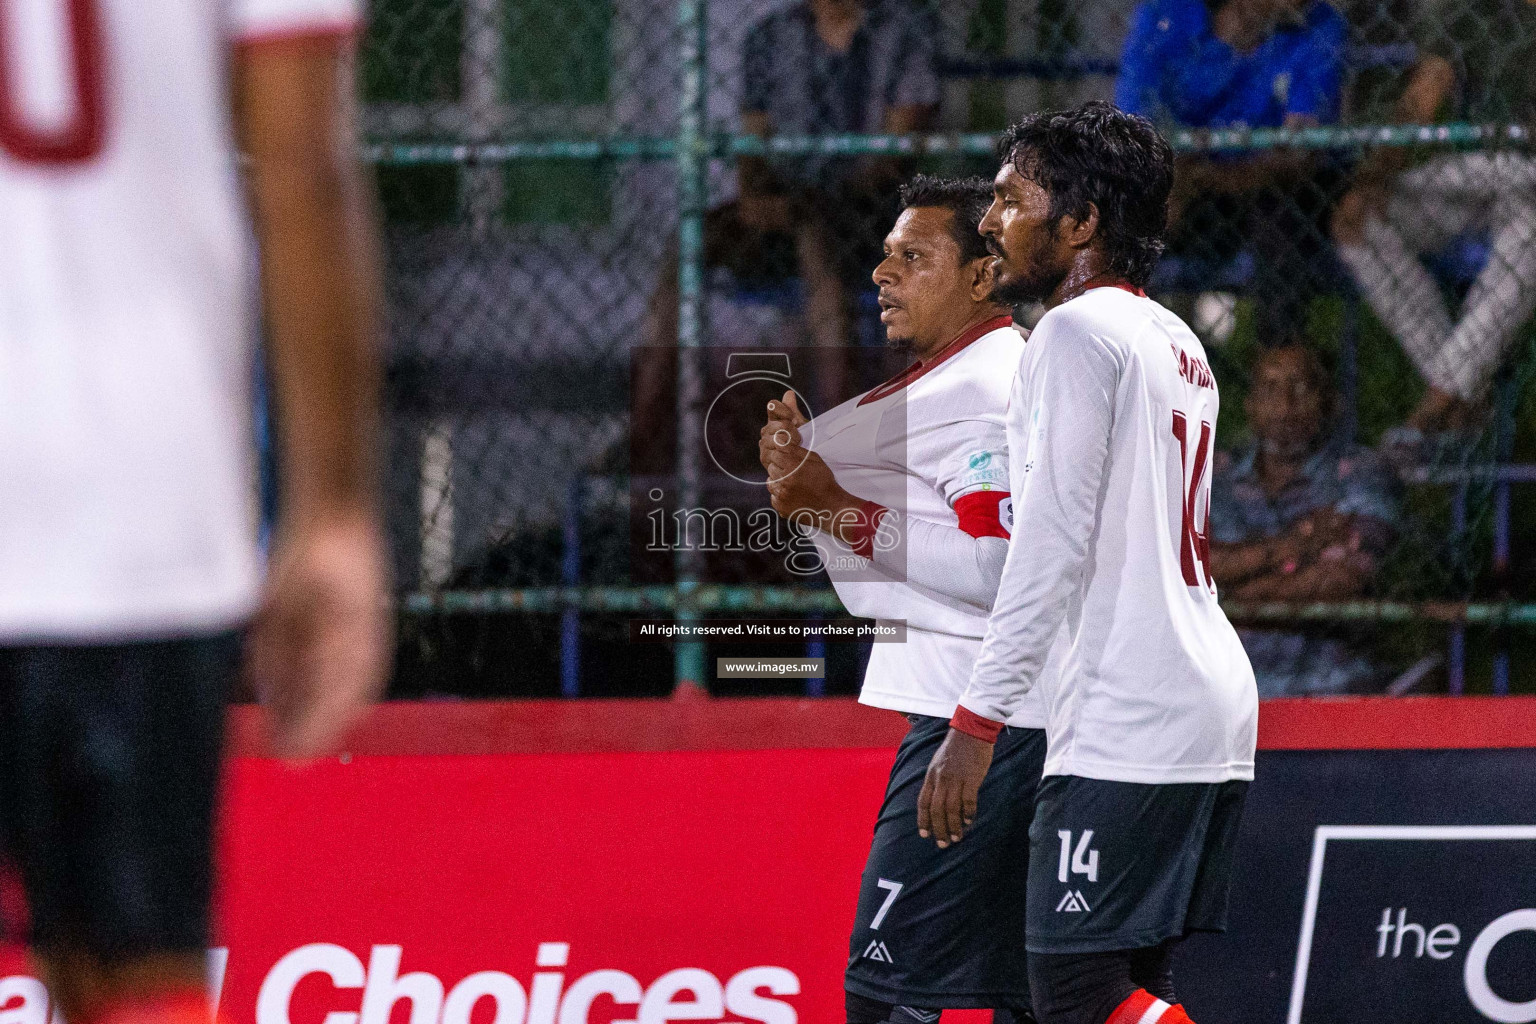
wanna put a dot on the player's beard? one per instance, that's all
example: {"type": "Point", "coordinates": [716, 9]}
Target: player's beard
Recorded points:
{"type": "Point", "coordinates": [1033, 282]}
{"type": "Point", "coordinates": [901, 345]}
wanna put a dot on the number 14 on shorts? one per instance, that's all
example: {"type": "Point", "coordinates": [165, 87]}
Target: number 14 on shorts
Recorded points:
{"type": "Point", "coordinates": [1078, 861]}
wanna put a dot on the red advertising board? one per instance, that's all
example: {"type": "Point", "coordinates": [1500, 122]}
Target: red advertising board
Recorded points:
{"type": "Point", "coordinates": [593, 862]}
{"type": "Point", "coordinates": [576, 888]}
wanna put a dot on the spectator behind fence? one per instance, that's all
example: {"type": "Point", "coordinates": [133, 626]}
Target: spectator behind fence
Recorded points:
{"type": "Point", "coordinates": [1256, 64]}
{"type": "Point", "coordinates": [1298, 516]}
{"type": "Point", "coordinates": [817, 67]}
{"type": "Point", "coordinates": [1474, 65]}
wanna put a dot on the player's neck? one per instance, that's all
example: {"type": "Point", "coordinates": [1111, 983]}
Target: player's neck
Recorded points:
{"type": "Point", "coordinates": [927, 353]}
{"type": "Point", "coordinates": [1089, 269]}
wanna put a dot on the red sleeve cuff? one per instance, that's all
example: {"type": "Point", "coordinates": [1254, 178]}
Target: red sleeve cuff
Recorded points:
{"type": "Point", "coordinates": [985, 513]}
{"type": "Point", "coordinates": [969, 722]}
{"type": "Point", "coordinates": [861, 536]}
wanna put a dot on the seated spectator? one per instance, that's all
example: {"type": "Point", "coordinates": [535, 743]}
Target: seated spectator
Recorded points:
{"type": "Point", "coordinates": [1473, 66]}
{"type": "Point", "coordinates": [817, 67]}
{"type": "Point", "coordinates": [1298, 517]}
{"type": "Point", "coordinates": [1255, 64]}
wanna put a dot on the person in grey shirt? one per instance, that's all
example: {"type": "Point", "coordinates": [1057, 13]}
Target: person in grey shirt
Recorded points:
{"type": "Point", "coordinates": [1299, 516]}
{"type": "Point", "coordinates": [817, 67]}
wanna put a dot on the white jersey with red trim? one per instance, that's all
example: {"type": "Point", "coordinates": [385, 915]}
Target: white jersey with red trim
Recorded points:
{"type": "Point", "coordinates": [930, 447]}
{"type": "Point", "coordinates": [126, 495]}
{"type": "Point", "coordinates": [1111, 433]}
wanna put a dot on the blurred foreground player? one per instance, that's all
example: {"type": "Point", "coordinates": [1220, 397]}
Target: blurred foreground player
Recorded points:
{"type": "Point", "coordinates": [910, 482]}
{"type": "Point", "coordinates": [129, 571]}
{"type": "Point", "coordinates": [1151, 719]}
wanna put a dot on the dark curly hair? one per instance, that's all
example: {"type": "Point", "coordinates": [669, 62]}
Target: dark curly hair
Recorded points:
{"type": "Point", "coordinates": [1099, 154]}
{"type": "Point", "coordinates": [966, 198]}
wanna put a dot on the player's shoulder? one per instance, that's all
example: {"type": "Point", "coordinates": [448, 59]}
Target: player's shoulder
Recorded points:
{"type": "Point", "coordinates": [1107, 321]}
{"type": "Point", "coordinates": [840, 414]}
{"type": "Point", "coordinates": [1109, 309]}
{"type": "Point", "coordinates": [987, 366]}
{"type": "Point", "coordinates": [996, 349]}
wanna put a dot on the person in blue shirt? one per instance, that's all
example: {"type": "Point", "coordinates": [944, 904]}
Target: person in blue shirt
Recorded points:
{"type": "Point", "coordinates": [1253, 64]}
{"type": "Point", "coordinates": [1242, 63]}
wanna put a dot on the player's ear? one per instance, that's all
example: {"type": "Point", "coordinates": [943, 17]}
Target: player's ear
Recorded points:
{"type": "Point", "coordinates": [983, 277]}
{"type": "Point", "coordinates": [1079, 233]}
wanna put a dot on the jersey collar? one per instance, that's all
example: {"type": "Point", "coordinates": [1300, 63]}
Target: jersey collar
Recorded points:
{"type": "Point", "coordinates": [1124, 286]}
{"type": "Point", "coordinates": [917, 369]}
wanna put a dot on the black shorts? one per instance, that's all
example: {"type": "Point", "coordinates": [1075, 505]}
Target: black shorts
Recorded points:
{"type": "Point", "coordinates": [945, 928]}
{"type": "Point", "coordinates": [109, 772]}
{"type": "Point", "coordinates": [1123, 865]}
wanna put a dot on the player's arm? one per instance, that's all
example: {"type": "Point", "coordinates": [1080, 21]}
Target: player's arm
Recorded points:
{"type": "Point", "coordinates": [1071, 380]}
{"type": "Point", "coordinates": [1072, 388]}
{"type": "Point", "coordinates": [947, 560]}
{"type": "Point", "coordinates": [963, 562]}
{"type": "Point", "coordinates": [320, 646]}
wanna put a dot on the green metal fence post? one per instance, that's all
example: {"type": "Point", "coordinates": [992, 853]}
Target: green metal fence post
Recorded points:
{"type": "Point", "coordinates": [692, 172]}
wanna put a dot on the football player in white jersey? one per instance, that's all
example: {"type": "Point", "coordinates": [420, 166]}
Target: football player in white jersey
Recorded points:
{"type": "Point", "coordinates": [130, 578]}
{"type": "Point", "coordinates": [1151, 719]}
{"type": "Point", "coordinates": [917, 470]}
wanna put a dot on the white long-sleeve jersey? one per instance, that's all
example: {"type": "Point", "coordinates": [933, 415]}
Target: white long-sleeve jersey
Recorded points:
{"type": "Point", "coordinates": [127, 497]}
{"type": "Point", "coordinates": [1111, 432]}
{"type": "Point", "coordinates": [931, 447]}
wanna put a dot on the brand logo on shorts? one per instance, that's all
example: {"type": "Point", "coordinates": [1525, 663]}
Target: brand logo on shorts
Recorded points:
{"type": "Point", "coordinates": [1073, 903]}
{"type": "Point", "coordinates": [877, 951]}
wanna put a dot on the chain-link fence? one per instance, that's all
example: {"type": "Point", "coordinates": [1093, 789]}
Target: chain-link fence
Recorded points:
{"type": "Point", "coordinates": [566, 181]}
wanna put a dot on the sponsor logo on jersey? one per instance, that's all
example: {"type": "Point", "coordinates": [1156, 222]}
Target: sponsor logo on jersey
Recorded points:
{"type": "Point", "coordinates": [1073, 903]}
{"type": "Point", "coordinates": [1005, 513]}
{"type": "Point", "coordinates": [982, 468]}
{"type": "Point", "coordinates": [876, 951]}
